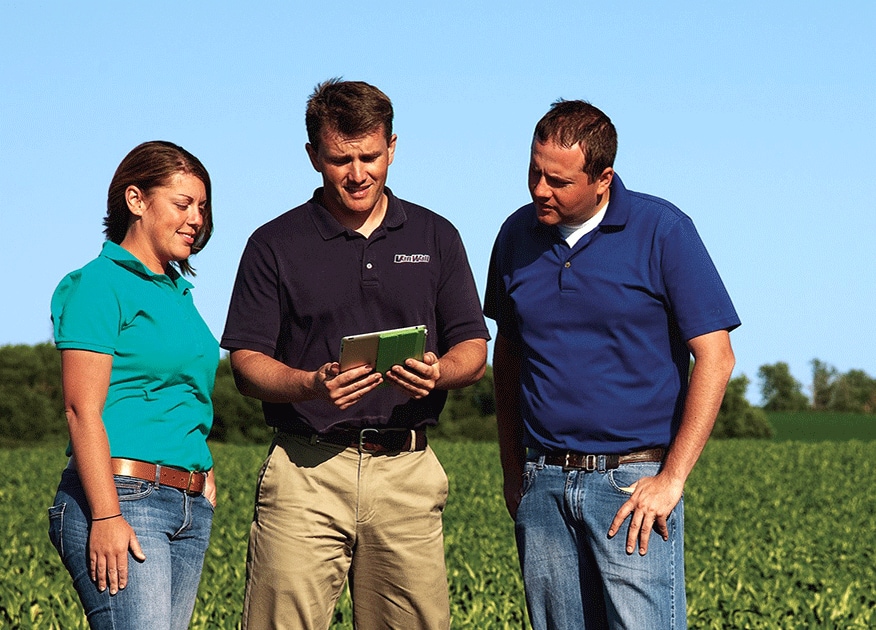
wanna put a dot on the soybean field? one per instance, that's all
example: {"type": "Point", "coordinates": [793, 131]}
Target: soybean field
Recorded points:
{"type": "Point", "coordinates": [778, 535]}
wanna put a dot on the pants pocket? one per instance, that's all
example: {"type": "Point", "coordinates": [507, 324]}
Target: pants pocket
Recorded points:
{"type": "Point", "coordinates": [132, 489]}
{"type": "Point", "coordinates": [528, 477]}
{"type": "Point", "coordinates": [56, 526]}
{"type": "Point", "coordinates": [624, 478]}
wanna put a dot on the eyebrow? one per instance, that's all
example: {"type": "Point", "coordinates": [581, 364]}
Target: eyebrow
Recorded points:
{"type": "Point", "coordinates": [343, 157]}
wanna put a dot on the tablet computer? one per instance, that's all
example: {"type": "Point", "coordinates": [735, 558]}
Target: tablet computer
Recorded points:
{"type": "Point", "coordinates": [383, 348]}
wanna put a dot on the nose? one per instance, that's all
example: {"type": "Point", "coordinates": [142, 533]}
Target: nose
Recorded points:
{"type": "Point", "coordinates": [196, 217]}
{"type": "Point", "coordinates": [539, 189]}
{"type": "Point", "coordinates": [357, 171]}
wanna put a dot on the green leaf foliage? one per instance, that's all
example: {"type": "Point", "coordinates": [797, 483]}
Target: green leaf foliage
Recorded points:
{"type": "Point", "coordinates": [818, 426]}
{"type": "Point", "coordinates": [31, 401]}
{"type": "Point", "coordinates": [236, 418]}
{"type": "Point", "coordinates": [777, 536]}
{"type": "Point", "coordinates": [737, 418]}
{"type": "Point", "coordinates": [470, 412]}
{"type": "Point", "coordinates": [780, 390]}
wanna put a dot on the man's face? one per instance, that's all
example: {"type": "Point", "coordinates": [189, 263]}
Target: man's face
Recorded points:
{"type": "Point", "coordinates": [561, 191]}
{"type": "Point", "coordinates": [353, 171]}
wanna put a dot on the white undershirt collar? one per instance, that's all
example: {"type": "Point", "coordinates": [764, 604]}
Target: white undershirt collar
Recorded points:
{"type": "Point", "coordinates": [573, 233]}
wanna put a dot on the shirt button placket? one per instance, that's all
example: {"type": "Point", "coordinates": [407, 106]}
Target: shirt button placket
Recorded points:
{"type": "Point", "coordinates": [566, 266]}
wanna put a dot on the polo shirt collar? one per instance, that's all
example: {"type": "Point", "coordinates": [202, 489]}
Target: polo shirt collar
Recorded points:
{"type": "Point", "coordinates": [329, 227]}
{"type": "Point", "coordinates": [618, 211]}
{"type": "Point", "coordinates": [616, 215]}
{"type": "Point", "coordinates": [126, 259]}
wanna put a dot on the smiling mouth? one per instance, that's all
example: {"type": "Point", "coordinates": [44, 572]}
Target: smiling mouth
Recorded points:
{"type": "Point", "coordinates": [188, 238]}
{"type": "Point", "coordinates": [358, 191]}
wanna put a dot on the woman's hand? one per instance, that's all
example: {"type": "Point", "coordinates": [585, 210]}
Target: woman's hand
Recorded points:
{"type": "Point", "coordinates": [108, 545]}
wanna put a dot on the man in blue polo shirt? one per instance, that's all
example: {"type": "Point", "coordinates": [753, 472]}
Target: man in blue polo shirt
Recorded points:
{"type": "Point", "coordinates": [601, 295]}
{"type": "Point", "coordinates": [350, 488]}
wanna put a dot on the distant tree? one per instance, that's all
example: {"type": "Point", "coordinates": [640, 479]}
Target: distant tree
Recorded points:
{"type": "Point", "coordinates": [737, 418]}
{"type": "Point", "coordinates": [823, 384]}
{"type": "Point", "coordinates": [854, 391]}
{"type": "Point", "coordinates": [236, 418]}
{"type": "Point", "coordinates": [470, 412]}
{"type": "Point", "coordinates": [780, 390]}
{"type": "Point", "coordinates": [31, 401]}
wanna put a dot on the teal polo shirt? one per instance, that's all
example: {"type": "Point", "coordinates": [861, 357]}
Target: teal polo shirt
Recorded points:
{"type": "Point", "coordinates": [158, 408]}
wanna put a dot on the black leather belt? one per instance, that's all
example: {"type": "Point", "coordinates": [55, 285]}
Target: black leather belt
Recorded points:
{"type": "Point", "coordinates": [371, 440]}
{"type": "Point", "coordinates": [570, 460]}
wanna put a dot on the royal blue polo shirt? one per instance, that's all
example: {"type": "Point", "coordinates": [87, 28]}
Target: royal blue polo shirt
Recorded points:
{"type": "Point", "coordinates": [158, 408]}
{"type": "Point", "coordinates": [602, 327]}
{"type": "Point", "coordinates": [305, 282]}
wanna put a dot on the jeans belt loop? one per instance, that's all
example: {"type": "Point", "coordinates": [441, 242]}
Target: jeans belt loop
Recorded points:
{"type": "Point", "coordinates": [157, 475]}
{"type": "Point", "coordinates": [600, 466]}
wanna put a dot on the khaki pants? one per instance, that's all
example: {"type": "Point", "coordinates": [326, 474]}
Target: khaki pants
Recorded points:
{"type": "Point", "coordinates": [326, 513]}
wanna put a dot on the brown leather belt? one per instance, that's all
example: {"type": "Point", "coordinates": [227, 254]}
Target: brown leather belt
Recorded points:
{"type": "Point", "coordinates": [190, 481]}
{"type": "Point", "coordinates": [570, 460]}
{"type": "Point", "coordinates": [371, 440]}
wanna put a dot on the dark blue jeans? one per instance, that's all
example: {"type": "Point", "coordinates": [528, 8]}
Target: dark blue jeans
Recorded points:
{"type": "Point", "coordinates": [173, 529]}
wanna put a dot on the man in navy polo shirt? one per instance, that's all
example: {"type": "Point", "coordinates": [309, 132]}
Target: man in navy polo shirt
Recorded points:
{"type": "Point", "coordinates": [601, 295]}
{"type": "Point", "coordinates": [350, 488]}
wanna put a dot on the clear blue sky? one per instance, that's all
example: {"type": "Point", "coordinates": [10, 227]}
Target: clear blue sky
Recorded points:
{"type": "Point", "coordinates": [758, 119]}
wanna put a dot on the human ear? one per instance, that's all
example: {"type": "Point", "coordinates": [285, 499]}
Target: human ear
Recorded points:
{"type": "Point", "coordinates": [391, 148]}
{"type": "Point", "coordinates": [314, 158]}
{"type": "Point", "coordinates": [135, 199]}
{"type": "Point", "coordinates": [604, 180]}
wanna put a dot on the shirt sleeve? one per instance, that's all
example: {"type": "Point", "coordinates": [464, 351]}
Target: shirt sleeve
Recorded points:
{"type": "Point", "coordinates": [86, 314]}
{"type": "Point", "coordinates": [697, 296]}
{"type": "Point", "coordinates": [497, 303]}
{"type": "Point", "coordinates": [458, 306]}
{"type": "Point", "coordinates": [254, 316]}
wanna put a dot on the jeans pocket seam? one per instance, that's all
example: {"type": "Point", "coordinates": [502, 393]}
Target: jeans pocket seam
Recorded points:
{"type": "Point", "coordinates": [626, 489]}
{"type": "Point", "coordinates": [528, 478]}
{"type": "Point", "coordinates": [130, 489]}
{"type": "Point", "coordinates": [56, 514]}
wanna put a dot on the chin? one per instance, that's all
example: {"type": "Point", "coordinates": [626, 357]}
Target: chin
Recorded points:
{"type": "Point", "coordinates": [360, 206]}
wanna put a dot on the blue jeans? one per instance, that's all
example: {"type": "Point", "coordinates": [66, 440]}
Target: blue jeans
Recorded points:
{"type": "Point", "coordinates": [573, 574]}
{"type": "Point", "coordinates": [173, 529]}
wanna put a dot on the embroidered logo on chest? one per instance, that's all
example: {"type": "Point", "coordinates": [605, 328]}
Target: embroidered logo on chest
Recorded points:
{"type": "Point", "coordinates": [412, 258]}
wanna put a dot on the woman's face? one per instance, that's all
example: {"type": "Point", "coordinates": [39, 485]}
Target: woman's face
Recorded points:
{"type": "Point", "coordinates": [170, 218]}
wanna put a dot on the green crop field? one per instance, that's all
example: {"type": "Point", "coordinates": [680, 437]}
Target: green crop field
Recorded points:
{"type": "Point", "coordinates": [779, 535]}
{"type": "Point", "coordinates": [816, 426]}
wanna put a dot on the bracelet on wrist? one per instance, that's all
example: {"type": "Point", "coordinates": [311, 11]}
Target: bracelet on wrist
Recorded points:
{"type": "Point", "coordinates": [106, 518]}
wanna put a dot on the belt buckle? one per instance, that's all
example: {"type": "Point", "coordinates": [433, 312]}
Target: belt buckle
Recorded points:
{"type": "Point", "coordinates": [189, 490]}
{"type": "Point", "coordinates": [362, 440]}
{"type": "Point", "coordinates": [590, 463]}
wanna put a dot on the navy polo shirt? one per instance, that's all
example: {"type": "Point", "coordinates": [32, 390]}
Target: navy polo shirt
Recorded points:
{"type": "Point", "coordinates": [602, 326]}
{"type": "Point", "coordinates": [305, 281]}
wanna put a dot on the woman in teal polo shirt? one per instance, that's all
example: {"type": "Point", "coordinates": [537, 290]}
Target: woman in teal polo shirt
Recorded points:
{"type": "Point", "coordinates": [132, 516]}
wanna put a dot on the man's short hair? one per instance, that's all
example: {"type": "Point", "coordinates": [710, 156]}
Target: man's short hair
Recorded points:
{"type": "Point", "coordinates": [578, 122]}
{"type": "Point", "coordinates": [351, 108]}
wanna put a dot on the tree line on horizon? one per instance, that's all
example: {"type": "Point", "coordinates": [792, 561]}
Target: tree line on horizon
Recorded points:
{"type": "Point", "coordinates": [32, 405]}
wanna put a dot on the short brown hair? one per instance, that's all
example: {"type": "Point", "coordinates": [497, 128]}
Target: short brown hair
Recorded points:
{"type": "Point", "coordinates": [352, 108]}
{"type": "Point", "coordinates": [578, 122]}
{"type": "Point", "coordinates": [147, 166]}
